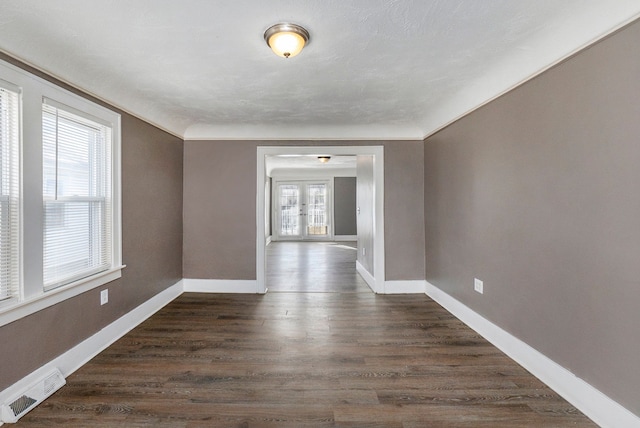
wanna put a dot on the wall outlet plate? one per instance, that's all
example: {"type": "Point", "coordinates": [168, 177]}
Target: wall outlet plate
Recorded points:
{"type": "Point", "coordinates": [104, 297]}
{"type": "Point", "coordinates": [478, 285]}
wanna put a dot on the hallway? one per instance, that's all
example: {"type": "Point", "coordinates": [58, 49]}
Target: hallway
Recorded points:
{"type": "Point", "coordinates": [313, 267]}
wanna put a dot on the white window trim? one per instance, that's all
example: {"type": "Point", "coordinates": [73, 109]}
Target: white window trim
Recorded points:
{"type": "Point", "coordinates": [32, 297]}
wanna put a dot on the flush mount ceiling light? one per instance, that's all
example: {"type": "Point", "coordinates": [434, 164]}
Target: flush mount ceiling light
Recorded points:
{"type": "Point", "coordinates": [324, 159]}
{"type": "Point", "coordinates": [286, 40]}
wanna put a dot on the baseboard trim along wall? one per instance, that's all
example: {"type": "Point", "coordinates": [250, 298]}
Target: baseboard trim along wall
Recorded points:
{"type": "Point", "coordinates": [368, 278]}
{"type": "Point", "coordinates": [404, 287]}
{"type": "Point", "coordinates": [80, 354]}
{"type": "Point", "coordinates": [597, 406]}
{"type": "Point", "coordinates": [342, 238]}
{"type": "Point", "coordinates": [220, 286]}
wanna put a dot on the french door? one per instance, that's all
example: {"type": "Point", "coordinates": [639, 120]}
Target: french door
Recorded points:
{"type": "Point", "coordinates": [301, 210]}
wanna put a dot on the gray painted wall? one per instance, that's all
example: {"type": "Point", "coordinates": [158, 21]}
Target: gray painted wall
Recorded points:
{"type": "Point", "coordinates": [404, 212]}
{"type": "Point", "coordinates": [220, 207]}
{"type": "Point", "coordinates": [344, 206]}
{"type": "Point", "coordinates": [219, 210]}
{"type": "Point", "coordinates": [537, 194]}
{"type": "Point", "coordinates": [152, 251]}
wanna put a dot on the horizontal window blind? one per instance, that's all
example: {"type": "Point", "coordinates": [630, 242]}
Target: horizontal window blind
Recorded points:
{"type": "Point", "coordinates": [77, 195]}
{"type": "Point", "coordinates": [9, 193]}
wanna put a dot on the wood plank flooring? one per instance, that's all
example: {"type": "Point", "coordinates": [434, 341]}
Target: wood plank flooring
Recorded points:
{"type": "Point", "coordinates": [319, 267]}
{"type": "Point", "coordinates": [292, 359]}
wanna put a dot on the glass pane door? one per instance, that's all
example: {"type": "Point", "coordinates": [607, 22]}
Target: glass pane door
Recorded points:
{"type": "Point", "coordinates": [289, 212]}
{"type": "Point", "coordinates": [302, 210]}
{"type": "Point", "coordinates": [316, 210]}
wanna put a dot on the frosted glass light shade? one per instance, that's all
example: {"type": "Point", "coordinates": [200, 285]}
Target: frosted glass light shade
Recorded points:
{"type": "Point", "coordinates": [286, 40]}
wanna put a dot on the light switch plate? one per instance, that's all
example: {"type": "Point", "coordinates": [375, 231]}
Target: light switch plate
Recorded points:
{"type": "Point", "coordinates": [104, 297]}
{"type": "Point", "coordinates": [478, 285]}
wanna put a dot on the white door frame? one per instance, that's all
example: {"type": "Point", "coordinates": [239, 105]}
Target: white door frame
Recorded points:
{"type": "Point", "coordinates": [378, 194]}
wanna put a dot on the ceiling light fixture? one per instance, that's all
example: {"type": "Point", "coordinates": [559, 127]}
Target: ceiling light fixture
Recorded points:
{"type": "Point", "coordinates": [286, 40]}
{"type": "Point", "coordinates": [324, 159]}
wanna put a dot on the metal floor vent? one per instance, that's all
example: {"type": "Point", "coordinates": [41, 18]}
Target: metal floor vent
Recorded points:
{"type": "Point", "coordinates": [15, 408]}
{"type": "Point", "coordinates": [21, 404]}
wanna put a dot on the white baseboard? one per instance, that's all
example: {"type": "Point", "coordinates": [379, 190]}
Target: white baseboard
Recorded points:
{"type": "Point", "coordinates": [404, 287]}
{"type": "Point", "coordinates": [368, 278]}
{"type": "Point", "coordinates": [339, 238]}
{"type": "Point", "coordinates": [597, 406]}
{"type": "Point", "coordinates": [220, 286]}
{"type": "Point", "coordinates": [80, 354]}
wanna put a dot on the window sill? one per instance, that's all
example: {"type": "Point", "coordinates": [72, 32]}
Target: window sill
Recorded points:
{"type": "Point", "coordinates": [14, 310]}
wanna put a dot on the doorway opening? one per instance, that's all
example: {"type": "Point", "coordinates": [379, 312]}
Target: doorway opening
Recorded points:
{"type": "Point", "coordinates": [300, 210]}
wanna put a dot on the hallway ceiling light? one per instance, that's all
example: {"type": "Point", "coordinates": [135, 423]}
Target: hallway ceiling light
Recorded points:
{"type": "Point", "coordinates": [324, 159]}
{"type": "Point", "coordinates": [286, 40]}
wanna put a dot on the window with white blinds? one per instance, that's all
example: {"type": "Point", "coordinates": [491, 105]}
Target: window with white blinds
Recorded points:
{"type": "Point", "coordinates": [60, 194]}
{"type": "Point", "coordinates": [9, 193]}
{"type": "Point", "coordinates": [76, 158]}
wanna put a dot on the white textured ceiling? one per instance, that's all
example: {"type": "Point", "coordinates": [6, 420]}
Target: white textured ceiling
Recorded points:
{"type": "Point", "coordinates": [310, 163]}
{"type": "Point", "coordinates": [374, 69]}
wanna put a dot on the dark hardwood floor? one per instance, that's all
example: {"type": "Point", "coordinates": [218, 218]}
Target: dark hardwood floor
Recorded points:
{"type": "Point", "coordinates": [292, 359]}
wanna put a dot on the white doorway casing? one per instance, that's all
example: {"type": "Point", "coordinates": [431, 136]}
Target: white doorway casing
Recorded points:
{"type": "Point", "coordinates": [375, 281]}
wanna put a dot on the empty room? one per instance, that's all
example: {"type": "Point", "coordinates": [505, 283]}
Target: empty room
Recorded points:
{"type": "Point", "coordinates": [357, 213]}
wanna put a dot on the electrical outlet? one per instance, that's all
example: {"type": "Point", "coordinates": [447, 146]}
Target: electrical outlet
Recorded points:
{"type": "Point", "coordinates": [104, 297]}
{"type": "Point", "coordinates": [478, 285]}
